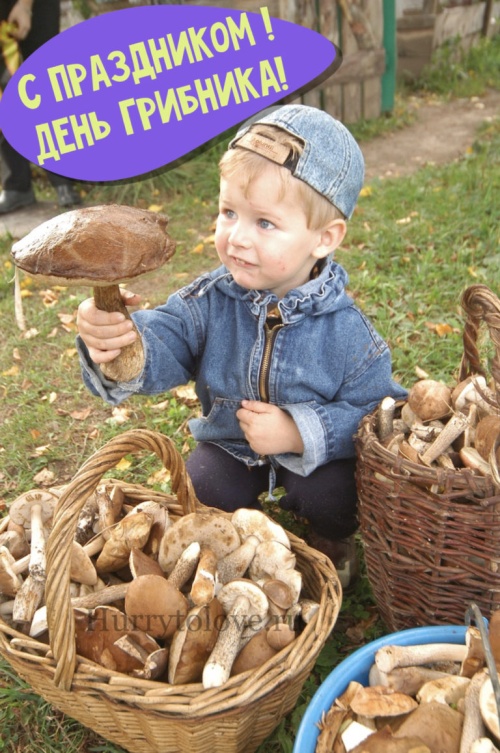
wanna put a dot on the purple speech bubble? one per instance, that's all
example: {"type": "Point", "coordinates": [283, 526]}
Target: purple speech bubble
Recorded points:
{"type": "Point", "coordinates": [130, 91]}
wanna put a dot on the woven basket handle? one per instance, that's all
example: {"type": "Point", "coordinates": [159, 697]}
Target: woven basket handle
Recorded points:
{"type": "Point", "coordinates": [59, 611]}
{"type": "Point", "coordinates": [480, 305]}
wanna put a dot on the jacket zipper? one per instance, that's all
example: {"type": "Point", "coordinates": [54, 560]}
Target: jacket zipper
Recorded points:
{"type": "Point", "coordinates": [270, 334]}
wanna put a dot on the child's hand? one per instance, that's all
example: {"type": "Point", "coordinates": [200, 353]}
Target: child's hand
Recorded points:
{"type": "Point", "coordinates": [268, 429]}
{"type": "Point", "coordinates": [105, 333]}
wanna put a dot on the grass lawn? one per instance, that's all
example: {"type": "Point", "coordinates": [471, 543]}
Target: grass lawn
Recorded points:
{"type": "Point", "coordinates": [412, 247]}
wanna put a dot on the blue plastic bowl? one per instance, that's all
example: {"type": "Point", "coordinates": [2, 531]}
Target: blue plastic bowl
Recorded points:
{"type": "Point", "coordinates": [356, 668]}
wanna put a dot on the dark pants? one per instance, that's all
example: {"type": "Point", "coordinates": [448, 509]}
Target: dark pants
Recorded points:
{"type": "Point", "coordinates": [326, 498]}
{"type": "Point", "coordinates": [16, 169]}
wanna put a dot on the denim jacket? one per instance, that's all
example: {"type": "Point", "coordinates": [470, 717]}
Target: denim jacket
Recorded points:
{"type": "Point", "coordinates": [326, 365]}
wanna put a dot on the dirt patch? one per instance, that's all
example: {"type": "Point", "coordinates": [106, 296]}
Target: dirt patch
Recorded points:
{"type": "Point", "coordinates": [442, 132]}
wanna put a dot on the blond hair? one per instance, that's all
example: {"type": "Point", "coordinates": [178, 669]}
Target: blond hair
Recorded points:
{"type": "Point", "coordinates": [319, 211]}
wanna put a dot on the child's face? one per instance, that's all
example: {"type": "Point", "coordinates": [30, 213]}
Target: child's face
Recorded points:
{"type": "Point", "coordinates": [262, 237]}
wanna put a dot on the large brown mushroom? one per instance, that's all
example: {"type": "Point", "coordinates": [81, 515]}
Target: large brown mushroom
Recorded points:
{"type": "Point", "coordinates": [101, 246]}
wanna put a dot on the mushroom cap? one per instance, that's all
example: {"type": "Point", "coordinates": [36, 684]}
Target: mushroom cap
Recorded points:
{"type": "Point", "coordinates": [209, 529]}
{"type": "Point", "coordinates": [82, 568]}
{"type": "Point", "coordinates": [97, 245]}
{"type": "Point", "coordinates": [381, 701]}
{"type": "Point", "coordinates": [437, 724]}
{"type": "Point", "coordinates": [430, 399]}
{"type": "Point", "coordinates": [20, 508]}
{"type": "Point", "coordinates": [254, 654]}
{"type": "Point", "coordinates": [487, 431]}
{"type": "Point", "coordinates": [193, 642]}
{"type": "Point", "coordinates": [98, 636]}
{"type": "Point", "coordinates": [155, 605]}
{"type": "Point", "coordinates": [279, 593]}
{"type": "Point", "coordinates": [242, 587]}
{"type": "Point", "coordinates": [250, 522]}
{"type": "Point", "coordinates": [271, 557]}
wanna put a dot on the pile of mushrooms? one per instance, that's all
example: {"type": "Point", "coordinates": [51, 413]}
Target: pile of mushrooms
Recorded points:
{"type": "Point", "coordinates": [195, 599]}
{"type": "Point", "coordinates": [443, 427]}
{"type": "Point", "coordinates": [430, 698]}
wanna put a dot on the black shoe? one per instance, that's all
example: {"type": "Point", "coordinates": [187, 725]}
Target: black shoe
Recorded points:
{"type": "Point", "coordinates": [342, 553]}
{"type": "Point", "coordinates": [12, 200]}
{"type": "Point", "coordinates": [67, 196]}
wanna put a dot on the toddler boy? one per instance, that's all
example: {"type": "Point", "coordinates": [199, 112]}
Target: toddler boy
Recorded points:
{"type": "Point", "coordinates": [285, 365]}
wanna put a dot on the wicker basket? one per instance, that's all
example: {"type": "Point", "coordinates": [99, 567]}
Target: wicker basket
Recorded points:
{"type": "Point", "coordinates": [149, 716]}
{"type": "Point", "coordinates": [432, 536]}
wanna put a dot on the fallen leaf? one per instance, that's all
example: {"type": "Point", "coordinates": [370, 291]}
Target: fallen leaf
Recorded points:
{"type": "Point", "coordinates": [35, 433]}
{"type": "Point", "coordinates": [13, 371]}
{"type": "Point", "coordinates": [366, 191]}
{"type": "Point", "coordinates": [26, 282]}
{"type": "Point", "coordinates": [66, 318]}
{"type": "Point", "coordinates": [71, 352]}
{"type": "Point", "coordinates": [26, 293]}
{"type": "Point", "coordinates": [155, 207]}
{"type": "Point", "coordinates": [30, 333]}
{"type": "Point", "coordinates": [52, 397]}
{"type": "Point", "coordinates": [16, 354]}
{"type": "Point", "coordinates": [185, 393]}
{"type": "Point", "coordinates": [39, 451]}
{"type": "Point", "coordinates": [198, 249]}
{"type": "Point", "coordinates": [123, 464]}
{"type": "Point", "coordinates": [159, 477]}
{"type": "Point", "coordinates": [443, 329]}
{"type": "Point", "coordinates": [161, 406]}
{"type": "Point", "coordinates": [80, 415]}
{"type": "Point", "coordinates": [49, 297]}
{"type": "Point", "coordinates": [421, 373]}
{"type": "Point", "coordinates": [403, 221]}
{"type": "Point", "coordinates": [44, 477]}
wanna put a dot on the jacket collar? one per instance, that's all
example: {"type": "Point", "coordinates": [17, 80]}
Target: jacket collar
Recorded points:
{"type": "Point", "coordinates": [323, 294]}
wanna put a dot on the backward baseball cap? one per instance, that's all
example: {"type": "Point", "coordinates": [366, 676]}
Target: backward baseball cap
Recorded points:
{"type": "Point", "coordinates": [331, 161]}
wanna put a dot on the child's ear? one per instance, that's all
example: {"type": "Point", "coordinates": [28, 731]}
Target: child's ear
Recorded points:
{"type": "Point", "coordinates": [331, 237]}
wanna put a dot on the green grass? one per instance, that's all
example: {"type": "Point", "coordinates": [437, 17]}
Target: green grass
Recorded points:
{"type": "Point", "coordinates": [413, 246]}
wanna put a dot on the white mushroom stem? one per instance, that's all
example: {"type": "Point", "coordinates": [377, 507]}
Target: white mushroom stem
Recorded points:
{"type": "Point", "coordinates": [452, 430]}
{"type": "Point", "coordinates": [385, 418]}
{"type": "Point", "coordinates": [37, 559]}
{"type": "Point", "coordinates": [236, 563]}
{"type": "Point", "coordinates": [218, 667]}
{"type": "Point", "coordinates": [388, 658]}
{"type": "Point", "coordinates": [185, 565]}
{"type": "Point", "coordinates": [28, 599]}
{"type": "Point", "coordinates": [473, 727]}
{"type": "Point", "coordinates": [203, 588]}
{"type": "Point", "coordinates": [100, 598]}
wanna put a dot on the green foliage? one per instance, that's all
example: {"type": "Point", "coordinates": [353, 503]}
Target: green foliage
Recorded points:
{"type": "Point", "coordinates": [458, 72]}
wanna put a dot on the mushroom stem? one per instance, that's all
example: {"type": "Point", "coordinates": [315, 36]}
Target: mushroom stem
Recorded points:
{"type": "Point", "coordinates": [385, 417]}
{"type": "Point", "coordinates": [218, 667]}
{"type": "Point", "coordinates": [129, 363]}
{"type": "Point", "coordinates": [388, 658]}
{"type": "Point", "coordinates": [473, 727]}
{"type": "Point", "coordinates": [455, 426]}
{"type": "Point", "coordinates": [37, 560]}
{"type": "Point", "coordinates": [99, 598]}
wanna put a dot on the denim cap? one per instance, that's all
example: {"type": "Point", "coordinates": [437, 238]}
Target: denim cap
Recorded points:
{"type": "Point", "coordinates": [331, 161]}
